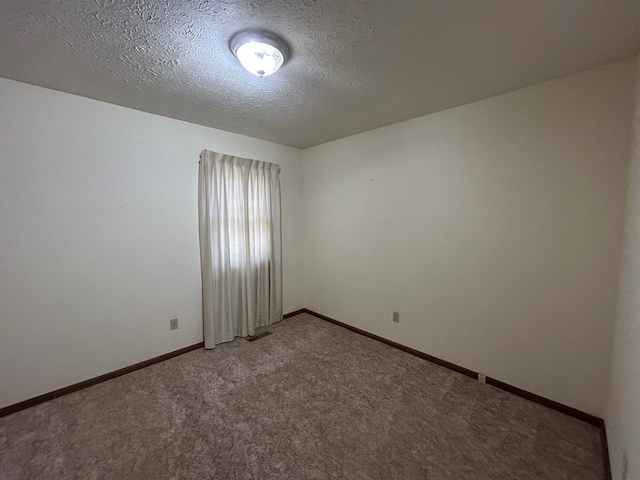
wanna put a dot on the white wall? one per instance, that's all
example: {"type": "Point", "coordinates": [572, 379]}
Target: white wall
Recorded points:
{"type": "Point", "coordinates": [493, 228]}
{"type": "Point", "coordinates": [623, 402]}
{"type": "Point", "coordinates": [98, 235]}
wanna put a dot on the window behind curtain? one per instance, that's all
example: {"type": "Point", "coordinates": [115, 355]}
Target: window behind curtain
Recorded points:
{"type": "Point", "coordinates": [240, 245]}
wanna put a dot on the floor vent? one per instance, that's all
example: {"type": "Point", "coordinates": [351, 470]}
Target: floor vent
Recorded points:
{"type": "Point", "coordinates": [258, 336]}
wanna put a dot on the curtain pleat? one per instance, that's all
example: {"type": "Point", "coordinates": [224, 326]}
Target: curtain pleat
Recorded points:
{"type": "Point", "coordinates": [240, 245]}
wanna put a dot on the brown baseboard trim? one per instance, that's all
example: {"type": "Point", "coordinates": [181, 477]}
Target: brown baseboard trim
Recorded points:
{"type": "Point", "coordinates": [412, 351]}
{"type": "Point", "coordinates": [605, 450]}
{"type": "Point", "coordinates": [293, 314]}
{"type": "Point", "coordinates": [572, 412]}
{"type": "Point", "coordinates": [16, 407]}
{"type": "Point", "coordinates": [560, 407]}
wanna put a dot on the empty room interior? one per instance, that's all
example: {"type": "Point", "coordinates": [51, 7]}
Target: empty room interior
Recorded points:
{"type": "Point", "coordinates": [322, 239]}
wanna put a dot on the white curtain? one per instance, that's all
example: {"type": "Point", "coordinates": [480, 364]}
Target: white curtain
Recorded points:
{"type": "Point", "coordinates": [240, 246]}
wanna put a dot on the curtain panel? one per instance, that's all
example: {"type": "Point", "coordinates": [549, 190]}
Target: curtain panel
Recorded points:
{"type": "Point", "coordinates": [240, 245]}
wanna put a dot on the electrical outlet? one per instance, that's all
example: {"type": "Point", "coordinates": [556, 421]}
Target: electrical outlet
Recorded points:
{"type": "Point", "coordinates": [482, 378]}
{"type": "Point", "coordinates": [396, 317]}
{"type": "Point", "coordinates": [173, 324]}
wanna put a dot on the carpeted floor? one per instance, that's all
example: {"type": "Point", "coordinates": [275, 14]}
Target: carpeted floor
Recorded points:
{"type": "Point", "coordinates": [311, 401]}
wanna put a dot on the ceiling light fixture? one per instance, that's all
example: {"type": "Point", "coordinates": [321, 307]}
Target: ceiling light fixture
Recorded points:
{"type": "Point", "coordinates": [261, 53]}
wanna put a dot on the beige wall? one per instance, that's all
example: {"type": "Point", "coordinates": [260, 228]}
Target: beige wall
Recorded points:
{"type": "Point", "coordinates": [99, 239]}
{"type": "Point", "coordinates": [623, 402]}
{"type": "Point", "coordinates": [494, 229]}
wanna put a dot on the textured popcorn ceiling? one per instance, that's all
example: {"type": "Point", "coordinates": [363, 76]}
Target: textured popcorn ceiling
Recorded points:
{"type": "Point", "coordinates": [356, 65]}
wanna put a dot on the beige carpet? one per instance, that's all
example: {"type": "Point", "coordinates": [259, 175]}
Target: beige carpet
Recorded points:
{"type": "Point", "coordinates": [310, 401]}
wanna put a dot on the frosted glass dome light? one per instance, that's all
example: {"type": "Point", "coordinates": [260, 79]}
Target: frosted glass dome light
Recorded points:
{"type": "Point", "coordinates": [261, 53]}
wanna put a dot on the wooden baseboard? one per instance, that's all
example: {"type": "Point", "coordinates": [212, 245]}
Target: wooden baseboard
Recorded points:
{"type": "Point", "coordinates": [16, 407]}
{"type": "Point", "coordinates": [573, 412]}
{"type": "Point", "coordinates": [417, 353]}
{"type": "Point", "coordinates": [560, 407]}
{"type": "Point", "coordinates": [586, 417]}
{"type": "Point", "coordinates": [567, 410]}
{"type": "Point", "coordinates": [293, 314]}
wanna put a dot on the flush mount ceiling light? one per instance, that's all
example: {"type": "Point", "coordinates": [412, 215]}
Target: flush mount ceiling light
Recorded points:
{"type": "Point", "coordinates": [261, 53]}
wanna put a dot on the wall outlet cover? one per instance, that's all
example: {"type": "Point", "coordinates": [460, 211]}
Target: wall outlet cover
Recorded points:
{"type": "Point", "coordinates": [173, 324]}
{"type": "Point", "coordinates": [396, 317]}
{"type": "Point", "coordinates": [482, 378]}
